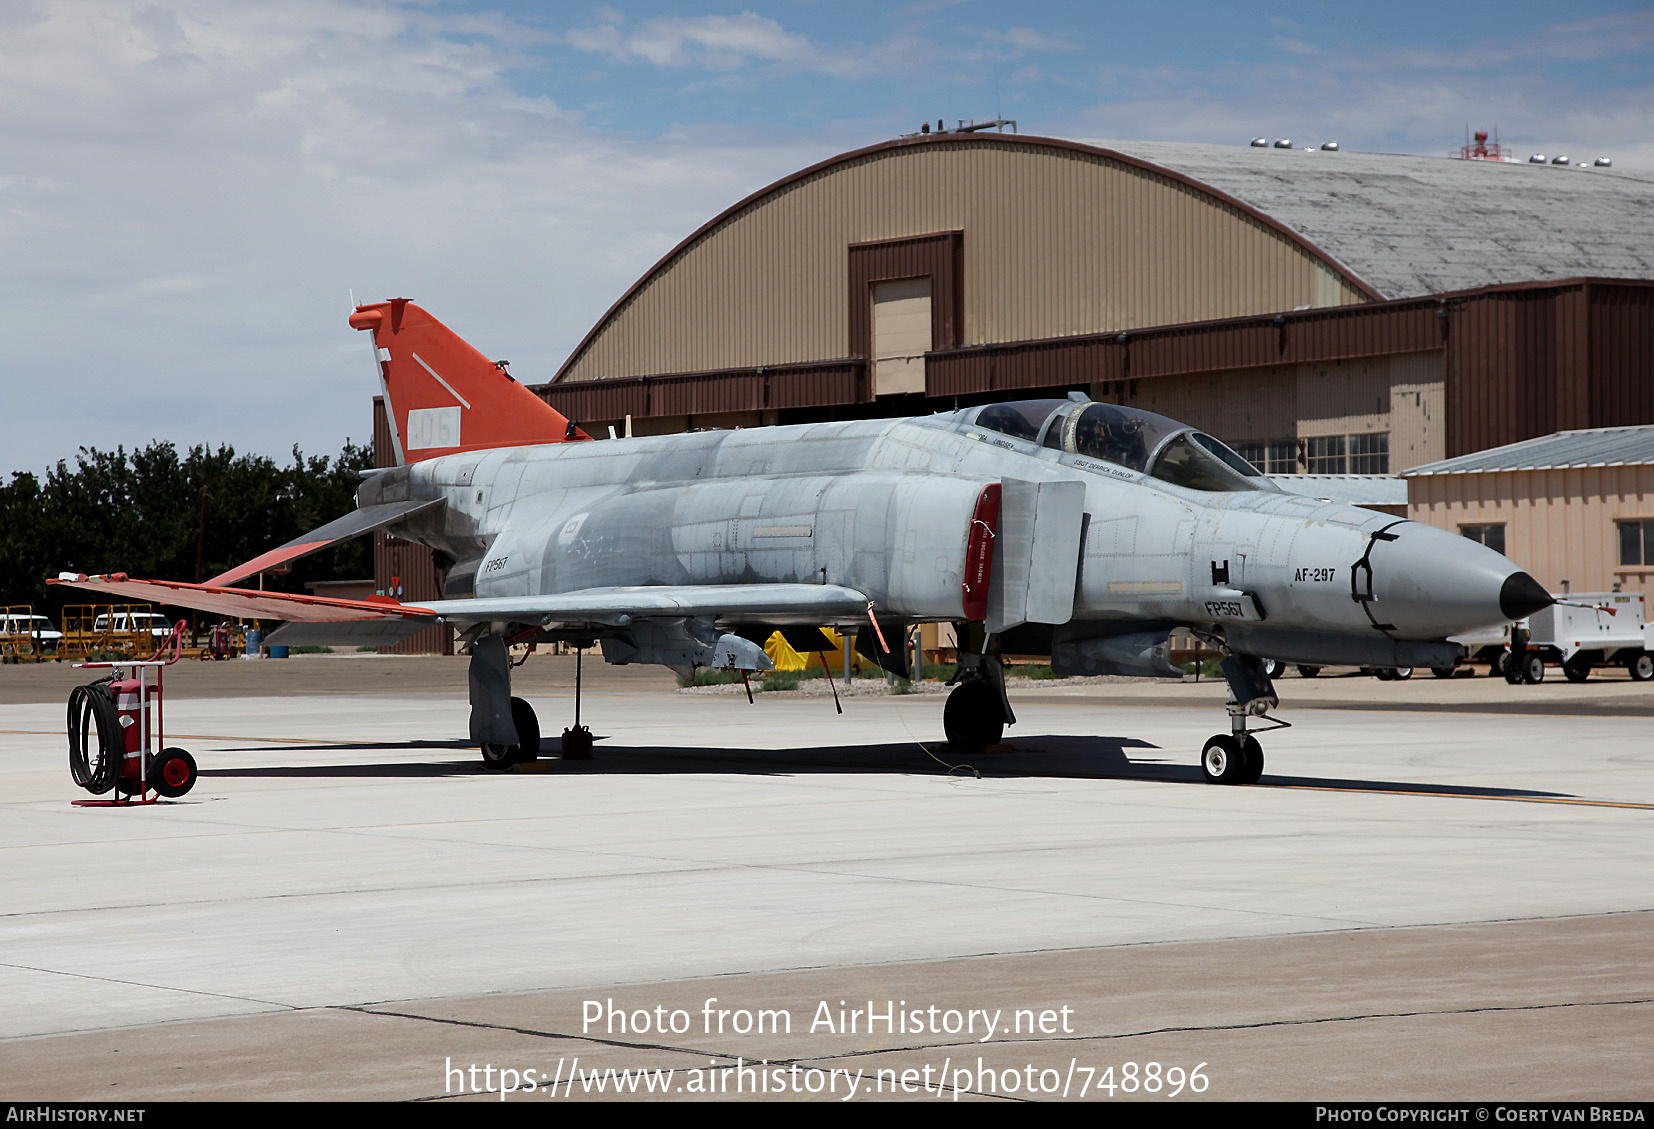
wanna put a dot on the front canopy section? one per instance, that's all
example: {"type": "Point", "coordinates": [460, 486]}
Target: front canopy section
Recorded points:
{"type": "Point", "coordinates": [1130, 437]}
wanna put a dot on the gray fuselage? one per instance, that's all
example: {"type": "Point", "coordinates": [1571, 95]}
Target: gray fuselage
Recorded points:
{"type": "Point", "coordinates": [885, 507]}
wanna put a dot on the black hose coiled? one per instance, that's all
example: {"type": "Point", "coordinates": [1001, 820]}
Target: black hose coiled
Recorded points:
{"type": "Point", "coordinates": [92, 704]}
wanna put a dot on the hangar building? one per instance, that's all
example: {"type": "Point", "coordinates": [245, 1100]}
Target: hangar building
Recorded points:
{"type": "Point", "coordinates": [1321, 311]}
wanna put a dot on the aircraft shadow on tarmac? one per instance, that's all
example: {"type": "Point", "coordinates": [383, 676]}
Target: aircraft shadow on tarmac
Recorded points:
{"type": "Point", "coordinates": [1055, 756]}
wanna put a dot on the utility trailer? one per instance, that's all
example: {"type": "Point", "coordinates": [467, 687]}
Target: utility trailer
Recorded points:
{"type": "Point", "coordinates": [1589, 630]}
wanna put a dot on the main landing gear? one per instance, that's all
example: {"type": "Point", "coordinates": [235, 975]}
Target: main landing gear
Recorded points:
{"type": "Point", "coordinates": [1236, 757]}
{"type": "Point", "coordinates": [978, 710]}
{"type": "Point", "coordinates": [504, 728]}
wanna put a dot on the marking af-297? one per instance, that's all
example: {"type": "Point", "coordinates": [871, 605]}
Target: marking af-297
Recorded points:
{"type": "Point", "coordinates": [1089, 529]}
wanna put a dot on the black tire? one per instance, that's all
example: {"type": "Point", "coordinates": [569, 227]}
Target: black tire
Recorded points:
{"type": "Point", "coordinates": [1640, 667]}
{"type": "Point", "coordinates": [1224, 760]}
{"type": "Point", "coordinates": [1532, 668]}
{"type": "Point", "coordinates": [173, 773]}
{"type": "Point", "coordinates": [1385, 674]}
{"type": "Point", "coordinates": [528, 729]}
{"type": "Point", "coordinates": [1254, 760]}
{"type": "Point", "coordinates": [527, 724]}
{"type": "Point", "coordinates": [1577, 669]}
{"type": "Point", "coordinates": [1271, 667]}
{"type": "Point", "coordinates": [1511, 667]}
{"type": "Point", "coordinates": [1308, 671]}
{"type": "Point", "coordinates": [1401, 673]}
{"type": "Point", "coordinates": [1443, 671]}
{"type": "Point", "coordinates": [972, 718]}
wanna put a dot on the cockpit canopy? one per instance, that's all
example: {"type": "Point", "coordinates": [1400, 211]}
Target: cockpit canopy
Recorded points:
{"type": "Point", "coordinates": [1142, 441]}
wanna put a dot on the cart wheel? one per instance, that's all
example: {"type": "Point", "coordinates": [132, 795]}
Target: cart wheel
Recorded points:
{"type": "Point", "coordinates": [174, 773]}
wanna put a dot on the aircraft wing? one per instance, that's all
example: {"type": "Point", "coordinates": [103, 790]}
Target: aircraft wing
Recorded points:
{"type": "Point", "coordinates": [247, 603]}
{"type": "Point", "coordinates": [596, 607]}
{"type": "Point", "coordinates": [809, 604]}
{"type": "Point", "coordinates": [354, 524]}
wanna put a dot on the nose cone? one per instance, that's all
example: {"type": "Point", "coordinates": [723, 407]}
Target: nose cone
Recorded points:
{"type": "Point", "coordinates": [1522, 596]}
{"type": "Point", "coordinates": [1428, 583]}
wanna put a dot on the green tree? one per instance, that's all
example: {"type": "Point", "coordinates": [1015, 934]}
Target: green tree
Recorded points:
{"type": "Point", "coordinates": [140, 513]}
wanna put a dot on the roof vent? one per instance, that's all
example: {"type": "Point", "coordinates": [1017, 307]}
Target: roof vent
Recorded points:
{"type": "Point", "coordinates": [1562, 160]}
{"type": "Point", "coordinates": [1284, 143]}
{"type": "Point", "coordinates": [1329, 146]}
{"type": "Point", "coordinates": [1537, 159]}
{"type": "Point", "coordinates": [1604, 162]}
{"type": "Point", "coordinates": [1260, 143]}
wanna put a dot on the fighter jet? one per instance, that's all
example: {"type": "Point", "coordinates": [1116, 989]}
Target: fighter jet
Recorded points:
{"type": "Point", "coordinates": [1091, 530]}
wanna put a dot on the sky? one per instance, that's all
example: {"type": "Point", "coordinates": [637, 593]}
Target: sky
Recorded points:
{"type": "Point", "coordinates": [191, 191]}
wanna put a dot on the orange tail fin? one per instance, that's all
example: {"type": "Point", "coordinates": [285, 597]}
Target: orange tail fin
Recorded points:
{"type": "Point", "coordinates": [444, 397]}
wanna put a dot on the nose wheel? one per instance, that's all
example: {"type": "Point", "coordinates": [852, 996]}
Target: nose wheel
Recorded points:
{"type": "Point", "coordinates": [1228, 759]}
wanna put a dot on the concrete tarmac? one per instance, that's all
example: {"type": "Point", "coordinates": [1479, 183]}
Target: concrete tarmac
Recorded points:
{"type": "Point", "coordinates": [1440, 889]}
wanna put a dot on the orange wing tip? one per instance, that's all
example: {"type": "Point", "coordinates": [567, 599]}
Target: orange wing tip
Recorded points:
{"type": "Point", "coordinates": [367, 318]}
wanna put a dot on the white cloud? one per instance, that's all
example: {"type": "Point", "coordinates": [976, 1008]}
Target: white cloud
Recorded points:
{"type": "Point", "coordinates": [710, 42]}
{"type": "Point", "coordinates": [188, 191]}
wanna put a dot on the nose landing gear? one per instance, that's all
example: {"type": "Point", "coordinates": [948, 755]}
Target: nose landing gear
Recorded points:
{"type": "Point", "coordinates": [1236, 757]}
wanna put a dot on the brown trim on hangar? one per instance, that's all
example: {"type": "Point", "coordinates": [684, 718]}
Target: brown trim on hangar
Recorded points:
{"type": "Point", "coordinates": [807, 384]}
{"type": "Point", "coordinates": [960, 139]}
{"type": "Point", "coordinates": [1520, 360]}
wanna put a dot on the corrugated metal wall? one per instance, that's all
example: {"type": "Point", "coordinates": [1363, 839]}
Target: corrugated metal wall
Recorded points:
{"type": "Point", "coordinates": [1559, 524]}
{"type": "Point", "coordinates": [1057, 241]}
{"type": "Point", "coordinates": [1529, 360]}
{"type": "Point", "coordinates": [1622, 354]}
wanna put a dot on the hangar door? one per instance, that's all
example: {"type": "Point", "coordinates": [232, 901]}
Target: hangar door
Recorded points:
{"type": "Point", "coordinates": [901, 335]}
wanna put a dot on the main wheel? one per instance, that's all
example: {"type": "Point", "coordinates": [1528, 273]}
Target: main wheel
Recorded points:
{"type": "Point", "coordinates": [528, 739]}
{"type": "Point", "coordinates": [1532, 668]}
{"type": "Point", "coordinates": [1577, 669]}
{"type": "Point", "coordinates": [972, 718]}
{"type": "Point", "coordinates": [1224, 760]}
{"type": "Point", "coordinates": [1640, 667]}
{"type": "Point", "coordinates": [1254, 760]}
{"type": "Point", "coordinates": [1308, 671]}
{"type": "Point", "coordinates": [528, 729]}
{"type": "Point", "coordinates": [173, 773]}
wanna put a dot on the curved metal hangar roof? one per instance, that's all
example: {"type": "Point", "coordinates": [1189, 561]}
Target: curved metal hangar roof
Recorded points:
{"type": "Point", "coordinates": [1410, 226]}
{"type": "Point", "coordinates": [1036, 238]}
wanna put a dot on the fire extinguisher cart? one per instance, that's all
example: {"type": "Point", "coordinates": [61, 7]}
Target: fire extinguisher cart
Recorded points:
{"type": "Point", "coordinates": [116, 733]}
